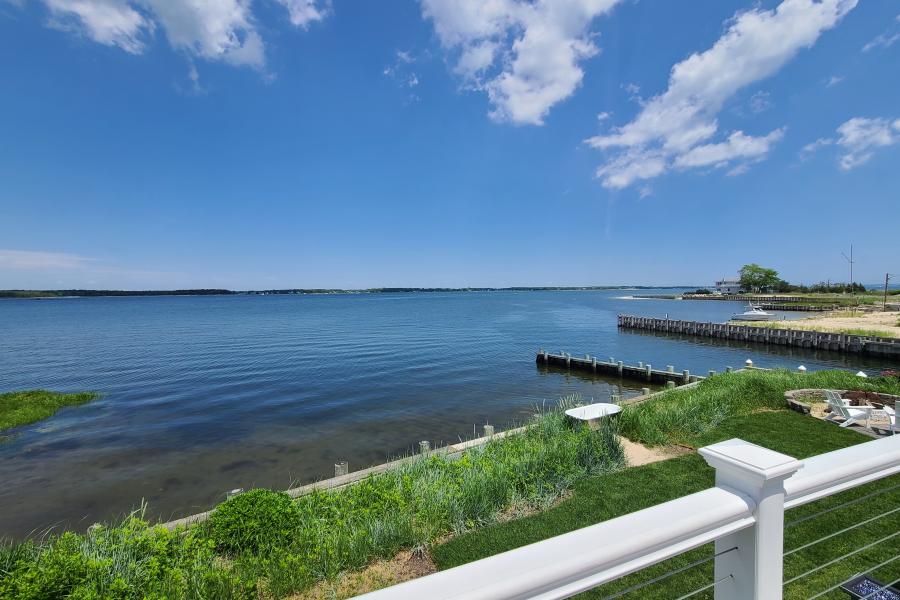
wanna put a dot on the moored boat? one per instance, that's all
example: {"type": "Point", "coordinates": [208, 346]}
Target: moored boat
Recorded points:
{"type": "Point", "coordinates": [753, 313]}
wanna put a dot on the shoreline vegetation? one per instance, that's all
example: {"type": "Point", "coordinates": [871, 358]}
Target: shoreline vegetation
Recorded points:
{"type": "Point", "coordinates": [553, 477]}
{"type": "Point", "coordinates": [38, 294]}
{"type": "Point", "coordinates": [30, 406]}
{"type": "Point", "coordinates": [264, 544]}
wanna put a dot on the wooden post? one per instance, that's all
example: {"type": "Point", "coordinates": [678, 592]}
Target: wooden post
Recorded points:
{"type": "Point", "coordinates": [645, 391]}
{"type": "Point", "coordinates": [488, 431]}
{"type": "Point", "coordinates": [424, 446]}
{"type": "Point", "coordinates": [670, 384]}
{"type": "Point", "coordinates": [649, 370]}
{"type": "Point", "coordinates": [341, 468]}
{"type": "Point", "coordinates": [620, 367]}
{"type": "Point", "coordinates": [686, 374]}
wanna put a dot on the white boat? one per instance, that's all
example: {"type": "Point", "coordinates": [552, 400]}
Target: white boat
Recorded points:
{"type": "Point", "coordinates": [753, 313]}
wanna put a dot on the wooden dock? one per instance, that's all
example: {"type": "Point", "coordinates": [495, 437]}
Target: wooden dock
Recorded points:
{"type": "Point", "coordinates": [641, 371]}
{"type": "Point", "coordinates": [815, 340]}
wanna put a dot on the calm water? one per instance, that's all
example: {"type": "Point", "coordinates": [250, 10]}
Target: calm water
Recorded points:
{"type": "Point", "coordinates": [205, 394]}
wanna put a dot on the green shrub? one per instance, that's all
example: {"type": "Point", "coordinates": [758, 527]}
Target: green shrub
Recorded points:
{"type": "Point", "coordinates": [254, 520]}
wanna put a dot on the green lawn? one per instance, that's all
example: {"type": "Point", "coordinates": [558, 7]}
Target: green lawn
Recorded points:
{"type": "Point", "coordinates": [600, 498]}
{"type": "Point", "coordinates": [22, 408]}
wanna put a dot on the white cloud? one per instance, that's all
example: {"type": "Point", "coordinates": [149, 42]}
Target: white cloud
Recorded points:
{"type": "Point", "coordinates": [26, 259]}
{"type": "Point", "coordinates": [886, 39]}
{"type": "Point", "coordinates": [860, 137]}
{"type": "Point", "coordinates": [738, 146]}
{"type": "Point", "coordinates": [883, 40]}
{"type": "Point", "coordinates": [813, 147]}
{"type": "Point", "coordinates": [220, 30]}
{"type": "Point", "coordinates": [833, 81]}
{"type": "Point", "coordinates": [756, 44]}
{"type": "Point", "coordinates": [760, 102]}
{"type": "Point", "coordinates": [857, 140]}
{"type": "Point", "coordinates": [304, 12]}
{"type": "Point", "coordinates": [108, 22]}
{"type": "Point", "coordinates": [525, 55]}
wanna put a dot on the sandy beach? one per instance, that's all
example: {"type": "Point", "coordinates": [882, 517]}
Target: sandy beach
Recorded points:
{"type": "Point", "coordinates": [886, 324]}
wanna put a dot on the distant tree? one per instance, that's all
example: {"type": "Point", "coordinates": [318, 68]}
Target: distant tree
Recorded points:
{"type": "Point", "coordinates": [783, 287]}
{"type": "Point", "coordinates": [702, 292]}
{"type": "Point", "coordinates": [757, 278]}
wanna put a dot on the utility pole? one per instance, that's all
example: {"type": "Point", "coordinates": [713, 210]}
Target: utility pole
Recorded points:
{"type": "Point", "coordinates": [850, 260]}
{"type": "Point", "coordinates": [887, 276]}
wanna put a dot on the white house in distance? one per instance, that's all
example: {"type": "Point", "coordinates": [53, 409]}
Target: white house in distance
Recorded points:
{"type": "Point", "coordinates": [728, 286]}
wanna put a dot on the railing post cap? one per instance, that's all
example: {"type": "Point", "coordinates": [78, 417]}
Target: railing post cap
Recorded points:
{"type": "Point", "coordinates": [749, 461]}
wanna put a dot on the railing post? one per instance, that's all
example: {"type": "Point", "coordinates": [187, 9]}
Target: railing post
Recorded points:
{"type": "Point", "coordinates": [755, 570]}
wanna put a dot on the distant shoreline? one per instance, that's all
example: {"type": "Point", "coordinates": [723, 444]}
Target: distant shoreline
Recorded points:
{"type": "Point", "coordinates": [61, 294]}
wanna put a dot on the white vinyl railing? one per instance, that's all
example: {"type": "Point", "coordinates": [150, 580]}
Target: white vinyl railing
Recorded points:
{"type": "Point", "coordinates": [743, 514]}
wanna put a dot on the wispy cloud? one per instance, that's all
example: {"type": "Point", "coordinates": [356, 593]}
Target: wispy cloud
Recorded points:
{"type": "Point", "coordinates": [674, 128]}
{"type": "Point", "coordinates": [886, 39]}
{"type": "Point", "coordinates": [42, 270]}
{"type": "Point", "coordinates": [833, 80]}
{"type": "Point", "coordinates": [27, 259]}
{"type": "Point", "coordinates": [858, 139]}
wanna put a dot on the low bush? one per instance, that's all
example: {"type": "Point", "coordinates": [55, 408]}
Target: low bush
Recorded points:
{"type": "Point", "coordinates": [254, 520]}
{"type": "Point", "coordinates": [681, 416]}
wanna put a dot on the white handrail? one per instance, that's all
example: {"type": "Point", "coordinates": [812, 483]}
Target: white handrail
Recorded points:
{"type": "Point", "coordinates": [565, 565]}
{"type": "Point", "coordinates": [840, 470]}
{"type": "Point", "coordinates": [755, 485]}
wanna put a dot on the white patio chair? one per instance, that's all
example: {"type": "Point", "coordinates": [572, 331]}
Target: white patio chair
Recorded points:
{"type": "Point", "coordinates": [842, 408]}
{"type": "Point", "coordinates": [892, 418]}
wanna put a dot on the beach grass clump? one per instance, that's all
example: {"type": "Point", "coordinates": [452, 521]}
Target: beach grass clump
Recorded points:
{"type": "Point", "coordinates": [30, 406]}
{"type": "Point", "coordinates": [683, 416]}
{"type": "Point", "coordinates": [265, 544]}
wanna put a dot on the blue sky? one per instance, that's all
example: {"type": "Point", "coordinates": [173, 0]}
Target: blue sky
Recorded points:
{"type": "Point", "coordinates": [300, 143]}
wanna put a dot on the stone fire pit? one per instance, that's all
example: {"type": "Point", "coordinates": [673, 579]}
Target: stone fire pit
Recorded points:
{"type": "Point", "coordinates": [812, 402]}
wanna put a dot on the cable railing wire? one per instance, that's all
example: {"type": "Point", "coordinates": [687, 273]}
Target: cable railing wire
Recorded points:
{"type": "Point", "coordinates": [842, 505]}
{"type": "Point", "coordinates": [878, 566]}
{"type": "Point", "coordinates": [668, 574]}
{"type": "Point", "coordinates": [845, 530]}
{"type": "Point", "coordinates": [840, 558]}
{"type": "Point", "coordinates": [706, 587]}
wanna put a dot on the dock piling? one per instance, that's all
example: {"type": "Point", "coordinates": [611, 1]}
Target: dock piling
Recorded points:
{"type": "Point", "coordinates": [341, 468]}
